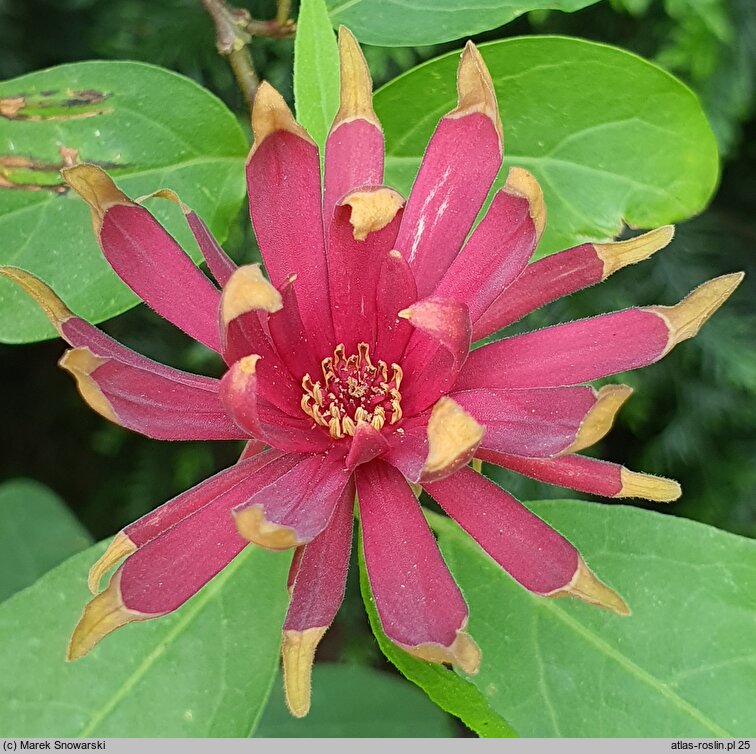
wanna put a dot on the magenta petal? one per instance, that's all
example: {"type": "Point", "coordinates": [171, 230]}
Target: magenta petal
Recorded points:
{"type": "Point", "coordinates": [156, 268]}
{"type": "Point", "coordinates": [296, 507]}
{"type": "Point", "coordinates": [395, 292]}
{"type": "Point", "coordinates": [408, 446]}
{"type": "Point", "coordinates": [458, 168]}
{"type": "Point", "coordinates": [417, 600]}
{"type": "Point", "coordinates": [319, 578]}
{"type": "Point", "coordinates": [151, 399]}
{"type": "Point", "coordinates": [541, 559]}
{"type": "Point", "coordinates": [283, 179]}
{"type": "Point", "coordinates": [354, 266]}
{"type": "Point", "coordinates": [220, 264]}
{"type": "Point", "coordinates": [353, 157]}
{"type": "Point", "coordinates": [240, 391]}
{"type": "Point", "coordinates": [436, 351]}
{"type": "Point", "coordinates": [367, 444]}
{"type": "Point", "coordinates": [538, 422]}
{"type": "Point", "coordinates": [570, 353]}
{"type": "Point", "coordinates": [494, 255]}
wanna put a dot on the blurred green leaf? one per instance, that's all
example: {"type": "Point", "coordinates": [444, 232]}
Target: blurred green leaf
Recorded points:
{"type": "Point", "coordinates": [404, 23]}
{"type": "Point", "coordinates": [445, 688]}
{"type": "Point", "coordinates": [149, 128]}
{"type": "Point", "coordinates": [352, 701]}
{"type": "Point", "coordinates": [37, 532]}
{"type": "Point", "coordinates": [682, 665]}
{"type": "Point", "coordinates": [316, 70]}
{"type": "Point", "coordinates": [609, 136]}
{"type": "Point", "coordinates": [205, 670]}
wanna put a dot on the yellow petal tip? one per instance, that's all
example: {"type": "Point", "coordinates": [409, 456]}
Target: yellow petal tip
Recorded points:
{"type": "Point", "coordinates": [81, 363]}
{"type": "Point", "coordinates": [270, 113]}
{"type": "Point", "coordinates": [587, 587]}
{"type": "Point", "coordinates": [96, 188]}
{"type": "Point", "coordinates": [121, 547]}
{"type": "Point", "coordinates": [648, 487]}
{"type": "Point", "coordinates": [356, 83]}
{"type": "Point", "coordinates": [599, 419]}
{"type": "Point", "coordinates": [475, 89]}
{"type": "Point", "coordinates": [254, 527]}
{"type": "Point", "coordinates": [372, 210]}
{"type": "Point", "coordinates": [620, 254]}
{"type": "Point", "coordinates": [463, 653]}
{"type": "Point", "coordinates": [248, 290]}
{"type": "Point", "coordinates": [44, 296]}
{"type": "Point", "coordinates": [298, 654]}
{"type": "Point", "coordinates": [521, 182]}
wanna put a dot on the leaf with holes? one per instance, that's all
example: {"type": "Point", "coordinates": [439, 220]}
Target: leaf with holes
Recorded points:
{"type": "Point", "coordinates": [400, 23]}
{"type": "Point", "coordinates": [682, 665]}
{"type": "Point", "coordinates": [610, 137]}
{"type": "Point", "coordinates": [205, 670]}
{"type": "Point", "coordinates": [149, 128]}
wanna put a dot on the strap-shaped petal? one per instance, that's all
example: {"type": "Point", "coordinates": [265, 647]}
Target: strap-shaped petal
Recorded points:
{"type": "Point", "coordinates": [395, 292]}
{"type": "Point", "coordinates": [354, 148]}
{"type": "Point", "coordinates": [588, 475]}
{"type": "Point", "coordinates": [458, 168]}
{"type": "Point", "coordinates": [362, 232]}
{"type": "Point", "coordinates": [558, 275]}
{"type": "Point", "coordinates": [297, 507]}
{"type": "Point", "coordinates": [499, 248]}
{"type": "Point", "coordinates": [283, 180]}
{"type": "Point", "coordinates": [596, 347]}
{"type": "Point", "coordinates": [317, 591]}
{"type": "Point", "coordinates": [543, 422]}
{"type": "Point", "coordinates": [420, 607]}
{"type": "Point", "coordinates": [526, 547]}
{"type": "Point", "coordinates": [146, 257]}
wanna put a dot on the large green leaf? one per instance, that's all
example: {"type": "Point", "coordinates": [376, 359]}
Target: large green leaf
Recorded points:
{"type": "Point", "coordinates": [205, 670]}
{"type": "Point", "coordinates": [351, 701]}
{"type": "Point", "coordinates": [316, 70]}
{"type": "Point", "coordinates": [398, 23]}
{"type": "Point", "coordinates": [682, 665]}
{"type": "Point", "coordinates": [609, 136]}
{"type": "Point", "coordinates": [448, 690]}
{"type": "Point", "coordinates": [149, 128]}
{"type": "Point", "coordinates": [37, 532]}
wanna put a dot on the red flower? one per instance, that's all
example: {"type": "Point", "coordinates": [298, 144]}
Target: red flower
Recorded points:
{"type": "Point", "coordinates": [352, 366]}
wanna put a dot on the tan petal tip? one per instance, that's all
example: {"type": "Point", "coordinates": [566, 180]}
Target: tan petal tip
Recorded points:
{"type": "Point", "coordinates": [620, 254]}
{"type": "Point", "coordinates": [475, 89]}
{"type": "Point", "coordinates": [356, 82]}
{"type": "Point", "coordinates": [648, 487]}
{"type": "Point", "coordinates": [599, 419]}
{"type": "Point", "coordinates": [96, 188]}
{"type": "Point", "coordinates": [44, 296]}
{"type": "Point", "coordinates": [586, 587]}
{"type": "Point", "coordinates": [453, 437]}
{"type": "Point", "coordinates": [270, 113]}
{"type": "Point", "coordinates": [248, 290]}
{"type": "Point", "coordinates": [102, 615]}
{"type": "Point", "coordinates": [521, 182]}
{"type": "Point", "coordinates": [167, 194]}
{"type": "Point", "coordinates": [81, 363]}
{"type": "Point", "coordinates": [685, 319]}
{"type": "Point", "coordinates": [298, 654]}
{"type": "Point", "coordinates": [254, 527]}
{"type": "Point", "coordinates": [463, 653]}
{"type": "Point", "coordinates": [121, 547]}
{"type": "Point", "coordinates": [372, 210]}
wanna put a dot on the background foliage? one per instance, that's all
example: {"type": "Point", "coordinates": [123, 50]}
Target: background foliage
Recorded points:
{"type": "Point", "coordinates": [691, 417]}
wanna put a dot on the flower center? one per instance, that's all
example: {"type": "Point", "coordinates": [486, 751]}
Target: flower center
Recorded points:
{"type": "Point", "coordinates": [353, 390]}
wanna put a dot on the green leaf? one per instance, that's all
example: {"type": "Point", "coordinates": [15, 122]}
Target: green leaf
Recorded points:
{"type": "Point", "coordinates": [316, 70]}
{"type": "Point", "coordinates": [448, 690]}
{"type": "Point", "coordinates": [205, 670]}
{"type": "Point", "coordinates": [682, 665]}
{"type": "Point", "coordinates": [146, 126]}
{"type": "Point", "coordinates": [37, 532]}
{"type": "Point", "coordinates": [351, 701]}
{"type": "Point", "coordinates": [407, 23]}
{"type": "Point", "coordinates": [609, 136]}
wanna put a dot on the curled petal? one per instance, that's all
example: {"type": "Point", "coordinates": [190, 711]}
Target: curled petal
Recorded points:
{"type": "Point", "coordinates": [588, 475]}
{"type": "Point", "coordinates": [459, 166]}
{"type": "Point", "coordinates": [535, 555]}
{"type": "Point", "coordinates": [146, 257]}
{"type": "Point", "coordinates": [354, 148]}
{"type": "Point", "coordinates": [317, 591]}
{"type": "Point", "coordinates": [499, 248]}
{"type": "Point", "coordinates": [558, 275]}
{"type": "Point", "coordinates": [396, 290]}
{"type": "Point", "coordinates": [283, 180]}
{"type": "Point", "coordinates": [543, 422]}
{"type": "Point", "coordinates": [296, 507]}
{"type": "Point", "coordinates": [367, 443]}
{"type": "Point", "coordinates": [420, 607]}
